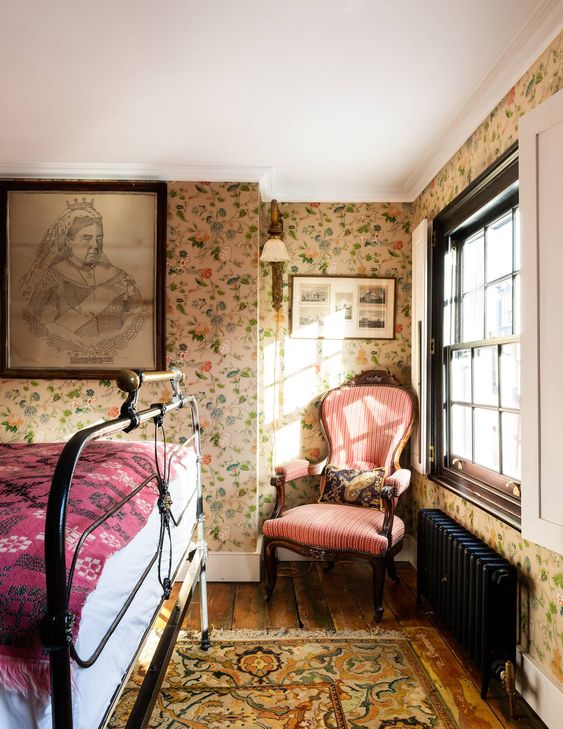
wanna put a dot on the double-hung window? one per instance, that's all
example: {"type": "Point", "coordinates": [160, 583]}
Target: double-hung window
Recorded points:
{"type": "Point", "coordinates": [476, 328]}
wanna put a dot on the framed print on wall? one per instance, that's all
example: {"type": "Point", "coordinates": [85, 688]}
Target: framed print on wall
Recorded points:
{"type": "Point", "coordinates": [82, 277]}
{"type": "Point", "coordinates": [342, 307]}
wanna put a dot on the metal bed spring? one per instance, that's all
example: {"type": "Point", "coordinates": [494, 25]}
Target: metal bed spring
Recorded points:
{"type": "Point", "coordinates": [56, 629]}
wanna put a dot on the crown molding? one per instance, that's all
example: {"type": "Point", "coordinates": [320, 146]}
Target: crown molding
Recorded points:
{"type": "Point", "coordinates": [337, 195]}
{"type": "Point", "coordinates": [541, 29]}
{"type": "Point", "coordinates": [267, 185]}
{"type": "Point", "coordinates": [270, 190]}
{"type": "Point", "coordinates": [263, 175]}
{"type": "Point", "coordinates": [126, 171]}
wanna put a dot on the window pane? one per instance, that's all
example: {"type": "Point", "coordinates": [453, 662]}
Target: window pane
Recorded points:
{"type": "Point", "coordinates": [499, 248]}
{"type": "Point", "coordinates": [461, 375]}
{"type": "Point", "coordinates": [472, 315]}
{"type": "Point", "coordinates": [449, 305]}
{"type": "Point", "coordinates": [486, 438]}
{"type": "Point", "coordinates": [448, 258]}
{"type": "Point", "coordinates": [516, 315]}
{"type": "Point", "coordinates": [472, 263]}
{"type": "Point", "coordinates": [499, 309]}
{"type": "Point", "coordinates": [461, 431]}
{"type": "Point", "coordinates": [447, 325]}
{"type": "Point", "coordinates": [517, 239]}
{"type": "Point", "coordinates": [485, 376]}
{"type": "Point", "coordinates": [511, 445]}
{"type": "Point", "coordinates": [510, 376]}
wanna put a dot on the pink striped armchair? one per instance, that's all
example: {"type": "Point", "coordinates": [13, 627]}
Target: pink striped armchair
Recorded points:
{"type": "Point", "coordinates": [366, 423]}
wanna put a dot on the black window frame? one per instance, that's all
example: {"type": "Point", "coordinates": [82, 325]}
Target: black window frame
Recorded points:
{"type": "Point", "coordinates": [494, 191]}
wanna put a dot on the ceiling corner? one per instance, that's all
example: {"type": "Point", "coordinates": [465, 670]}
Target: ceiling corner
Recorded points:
{"type": "Point", "coordinates": [534, 37]}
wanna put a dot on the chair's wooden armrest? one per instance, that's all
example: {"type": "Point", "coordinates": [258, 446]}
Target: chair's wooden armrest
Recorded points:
{"type": "Point", "coordinates": [289, 472]}
{"type": "Point", "coordinates": [399, 481]}
{"type": "Point", "coordinates": [283, 474]}
{"type": "Point", "coordinates": [394, 486]}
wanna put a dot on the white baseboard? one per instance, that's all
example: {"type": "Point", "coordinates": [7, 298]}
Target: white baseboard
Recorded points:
{"type": "Point", "coordinates": [245, 566]}
{"type": "Point", "coordinates": [408, 552]}
{"type": "Point", "coordinates": [235, 566]}
{"type": "Point", "coordinates": [539, 690]}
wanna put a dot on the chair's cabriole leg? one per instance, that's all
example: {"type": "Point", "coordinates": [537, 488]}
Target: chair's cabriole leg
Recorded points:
{"type": "Point", "coordinates": [270, 563]}
{"type": "Point", "coordinates": [378, 568]}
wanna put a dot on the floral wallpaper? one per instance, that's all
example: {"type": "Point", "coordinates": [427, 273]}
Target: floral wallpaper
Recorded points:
{"type": "Point", "coordinates": [361, 239]}
{"type": "Point", "coordinates": [541, 569]}
{"type": "Point", "coordinates": [212, 335]}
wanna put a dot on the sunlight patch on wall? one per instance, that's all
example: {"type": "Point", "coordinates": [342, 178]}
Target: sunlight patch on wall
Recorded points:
{"type": "Point", "coordinates": [332, 360]}
{"type": "Point", "coordinates": [330, 348]}
{"type": "Point", "coordinates": [288, 442]}
{"type": "Point", "coordinates": [299, 354]}
{"type": "Point", "coordinates": [307, 362]}
{"type": "Point", "coordinates": [299, 374]}
{"type": "Point", "coordinates": [269, 400]}
{"type": "Point", "coordinates": [298, 390]}
{"type": "Point", "coordinates": [269, 354]}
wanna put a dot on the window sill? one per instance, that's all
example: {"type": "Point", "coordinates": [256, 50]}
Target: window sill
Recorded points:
{"type": "Point", "coordinates": [487, 500]}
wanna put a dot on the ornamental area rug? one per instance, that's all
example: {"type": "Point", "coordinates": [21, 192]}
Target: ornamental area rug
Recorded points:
{"type": "Point", "coordinates": [297, 680]}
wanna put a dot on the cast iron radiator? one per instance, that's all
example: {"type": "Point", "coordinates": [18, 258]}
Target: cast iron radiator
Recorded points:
{"type": "Point", "coordinates": [472, 588]}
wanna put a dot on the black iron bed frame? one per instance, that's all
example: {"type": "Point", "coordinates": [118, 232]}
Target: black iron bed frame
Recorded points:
{"type": "Point", "coordinates": [56, 629]}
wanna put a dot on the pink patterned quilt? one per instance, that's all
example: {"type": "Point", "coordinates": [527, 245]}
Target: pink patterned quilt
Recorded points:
{"type": "Point", "coordinates": [106, 471]}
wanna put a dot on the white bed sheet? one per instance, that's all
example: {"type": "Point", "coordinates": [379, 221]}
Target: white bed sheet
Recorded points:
{"type": "Point", "coordinates": [94, 687]}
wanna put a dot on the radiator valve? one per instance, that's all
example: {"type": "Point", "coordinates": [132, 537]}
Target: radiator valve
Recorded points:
{"type": "Point", "coordinates": [508, 681]}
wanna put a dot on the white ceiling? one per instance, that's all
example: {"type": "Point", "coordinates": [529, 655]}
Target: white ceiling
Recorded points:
{"type": "Point", "coordinates": [330, 100]}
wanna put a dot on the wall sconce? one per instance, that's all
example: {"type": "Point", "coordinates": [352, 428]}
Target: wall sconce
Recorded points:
{"type": "Point", "coordinates": [275, 253]}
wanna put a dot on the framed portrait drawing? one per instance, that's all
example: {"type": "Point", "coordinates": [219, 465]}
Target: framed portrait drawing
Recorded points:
{"type": "Point", "coordinates": [342, 307]}
{"type": "Point", "coordinates": [82, 277]}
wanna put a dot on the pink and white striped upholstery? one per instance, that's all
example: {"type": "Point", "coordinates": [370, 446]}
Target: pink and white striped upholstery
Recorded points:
{"type": "Point", "coordinates": [294, 469]}
{"type": "Point", "coordinates": [399, 481]}
{"type": "Point", "coordinates": [366, 424]}
{"type": "Point", "coordinates": [336, 527]}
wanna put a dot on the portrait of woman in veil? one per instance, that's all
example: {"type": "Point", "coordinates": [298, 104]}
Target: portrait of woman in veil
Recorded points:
{"type": "Point", "coordinates": [82, 298]}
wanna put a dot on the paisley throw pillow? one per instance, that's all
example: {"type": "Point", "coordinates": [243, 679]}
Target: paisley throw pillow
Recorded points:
{"type": "Point", "coordinates": [348, 486]}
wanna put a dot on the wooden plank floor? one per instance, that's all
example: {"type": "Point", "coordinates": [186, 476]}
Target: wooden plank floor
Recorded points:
{"type": "Point", "coordinates": [307, 597]}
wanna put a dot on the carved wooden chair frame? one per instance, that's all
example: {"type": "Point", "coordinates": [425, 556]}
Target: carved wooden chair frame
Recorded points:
{"type": "Point", "coordinates": [382, 563]}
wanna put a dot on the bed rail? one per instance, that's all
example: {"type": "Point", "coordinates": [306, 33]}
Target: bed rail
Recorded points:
{"type": "Point", "coordinates": [56, 633]}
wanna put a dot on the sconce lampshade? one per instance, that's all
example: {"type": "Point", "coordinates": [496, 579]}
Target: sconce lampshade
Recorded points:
{"type": "Point", "coordinates": [274, 251]}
